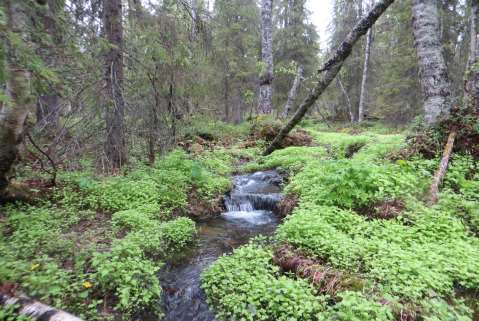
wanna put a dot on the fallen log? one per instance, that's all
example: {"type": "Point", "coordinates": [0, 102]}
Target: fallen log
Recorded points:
{"type": "Point", "coordinates": [325, 279]}
{"type": "Point", "coordinates": [35, 310]}
{"type": "Point", "coordinates": [441, 171]}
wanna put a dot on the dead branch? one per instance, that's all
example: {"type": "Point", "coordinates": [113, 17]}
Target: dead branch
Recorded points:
{"type": "Point", "coordinates": [439, 175]}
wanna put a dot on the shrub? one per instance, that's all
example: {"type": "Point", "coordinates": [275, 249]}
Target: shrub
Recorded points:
{"type": "Point", "coordinates": [355, 307]}
{"type": "Point", "coordinates": [165, 186]}
{"type": "Point", "coordinates": [126, 269]}
{"type": "Point", "coordinates": [456, 205]}
{"type": "Point", "coordinates": [123, 193]}
{"type": "Point", "coordinates": [178, 233]}
{"type": "Point", "coordinates": [437, 309]}
{"type": "Point", "coordinates": [207, 127]}
{"type": "Point", "coordinates": [132, 278]}
{"type": "Point", "coordinates": [131, 220]}
{"type": "Point", "coordinates": [290, 158]}
{"type": "Point", "coordinates": [432, 252]}
{"type": "Point", "coordinates": [354, 184]}
{"type": "Point", "coordinates": [246, 286]}
{"type": "Point", "coordinates": [39, 230]}
{"type": "Point", "coordinates": [156, 240]}
{"type": "Point", "coordinates": [369, 146]}
{"type": "Point", "coordinates": [380, 147]}
{"type": "Point", "coordinates": [462, 177]}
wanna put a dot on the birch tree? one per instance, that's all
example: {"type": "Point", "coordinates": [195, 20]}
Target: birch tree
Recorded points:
{"type": "Point", "coordinates": [471, 95]}
{"type": "Point", "coordinates": [266, 78]}
{"type": "Point", "coordinates": [433, 73]}
{"type": "Point", "coordinates": [293, 92]}
{"type": "Point", "coordinates": [346, 97]}
{"type": "Point", "coordinates": [362, 96]}
{"type": "Point", "coordinates": [330, 69]}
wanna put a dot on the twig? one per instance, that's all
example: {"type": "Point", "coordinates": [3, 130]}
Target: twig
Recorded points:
{"type": "Point", "coordinates": [52, 163]}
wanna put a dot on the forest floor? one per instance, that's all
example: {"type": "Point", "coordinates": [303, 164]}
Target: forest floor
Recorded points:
{"type": "Point", "coordinates": [357, 241]}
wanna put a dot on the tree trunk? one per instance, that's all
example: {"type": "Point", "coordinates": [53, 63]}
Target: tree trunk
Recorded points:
{"type": "Point", "coordinates": [471, 91]}
{"type": "Point", "coordinates": [135, 13]}
{"type": "Point", "coordinates": [474, 49]}
{"type": "Point", "coordinates": [36, 310]}
{"type": "Point", "coordinates": [362, 98]}
{"type": "Point", "coordinates": [324, 278]}
{"type": "Point", "coordinates": [226, 98]}
{"type": "Point", "coordinates": [13, 118]}
{"type": "Point", "coordinates": [331, 69]}
{"type": "Point", "coordinates": [48, 104]}
{"type": "Point", "coordinates": [293, 92]}
{"type": "Point", "coordinates": [433, 74]}
{"type": "Point", "coordinates": [266, 78]}
{"type": "Point", "coordinates": [348, 101]}
{"type": "Point", "coordinates": [115, 146]}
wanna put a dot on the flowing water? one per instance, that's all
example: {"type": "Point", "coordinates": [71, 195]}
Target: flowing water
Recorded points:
{"type": "Point", "coordinates": [250, 211]}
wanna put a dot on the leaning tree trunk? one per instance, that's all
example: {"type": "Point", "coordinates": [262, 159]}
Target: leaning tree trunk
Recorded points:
{"type": "Point", "coordinates": [115, 147]}
{"type": "Point", "coordinates": [362, 97]}
{"type": "Point", "coordinates": [435, 83]}
{"type": "Point", "coordinates": [331, 69]}
{"type": "Point", "coordinates": [293, 92]}
{"type": "Point", "coordinates": [441, 171]}
{"type": "Point", "coordinates": [13, 117]}
{"type": "Point", "coordinates": [266, 78]}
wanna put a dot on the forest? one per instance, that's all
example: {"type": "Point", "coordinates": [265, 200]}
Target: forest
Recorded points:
{"type": "Point", "coordinates": [230, 160]}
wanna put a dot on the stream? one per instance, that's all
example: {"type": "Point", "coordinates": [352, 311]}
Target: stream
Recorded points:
{"type": "Point", "coordinates": [250, 211]}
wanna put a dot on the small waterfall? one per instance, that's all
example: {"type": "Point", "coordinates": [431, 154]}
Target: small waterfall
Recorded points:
{"type": "Point", "coordinates": [249, 202]}
{"type": "Point", "coordinates": [257, 194]}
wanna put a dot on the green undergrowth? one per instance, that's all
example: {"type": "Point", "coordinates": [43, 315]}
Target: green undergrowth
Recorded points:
{"type": "Point", "coordinates": [166, 184]}
{"type": "Point", "coordinates": [248, 286]}
{"type": "Point", "coordinates": [291, 158]}
{"type": "Point", "coordinates": [100, 241]}
{"type": "Point", "coordinates": [355, 184]}
{"type": "Point", "coordinates": [429, 255]}
{"type": "Point", "coordinates": [365, 146]}
{"type": "Point", "coordinates": [414, 264]}
{"type": "Point", "coordinates": [214, 129]}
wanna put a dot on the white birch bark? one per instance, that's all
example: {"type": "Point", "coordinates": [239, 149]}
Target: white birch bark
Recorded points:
{"type": "Point", "coordinates": [433, 75]}
{"type": "Point", "coordinates": [293, 92]}
{"type": "Point", "coordinates": [474, 35]}
{"type": "Point", "coordinates": [348, 101]}
{"type": "Point", "coordinates": [362, 97]}
{"type": "Point", "coordinates": [265, 105]}
{"type": "Point", "coordinates": [471, 90]}
{"type": "Point", "coordinates": [36, 310]}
